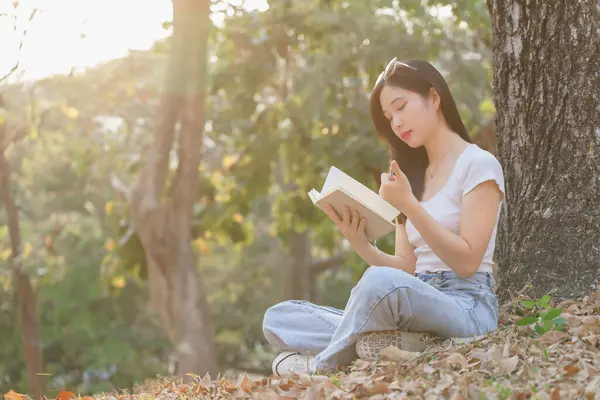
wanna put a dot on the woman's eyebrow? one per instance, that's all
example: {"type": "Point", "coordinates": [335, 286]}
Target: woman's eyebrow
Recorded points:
{"type": "Point", "coordinates": [397, 98]}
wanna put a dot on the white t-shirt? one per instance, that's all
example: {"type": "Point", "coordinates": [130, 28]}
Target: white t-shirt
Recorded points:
{"type": "Point", "coordinates": [473, 166]}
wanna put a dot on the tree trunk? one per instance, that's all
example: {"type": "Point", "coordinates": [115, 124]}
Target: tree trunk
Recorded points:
{"type": "Point", "coordinates": [298, 283]}
{"type": "Point", "coordinates": [547, 92]}
{"type": "Point", "coordinates": [27, 297]}
{"type": "Point", "coordinates": [162, 218]}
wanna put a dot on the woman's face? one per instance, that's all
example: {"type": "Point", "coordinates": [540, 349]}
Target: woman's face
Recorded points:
{"type": "Point", "coordinates": [412, 118]}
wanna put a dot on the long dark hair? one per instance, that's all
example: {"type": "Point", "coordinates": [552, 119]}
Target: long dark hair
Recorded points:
{"type": "Point", "coordinates": [413, 162]}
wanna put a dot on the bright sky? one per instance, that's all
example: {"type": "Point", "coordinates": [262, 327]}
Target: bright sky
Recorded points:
{"type": "Point", "coordinates": [54, 42]}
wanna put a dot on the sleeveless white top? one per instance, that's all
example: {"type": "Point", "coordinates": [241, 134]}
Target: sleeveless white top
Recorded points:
{"type": "Point", "coordinates": [473, 166]}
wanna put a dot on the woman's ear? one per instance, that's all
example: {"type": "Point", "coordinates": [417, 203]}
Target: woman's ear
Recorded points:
{"type": "Point", "coordinates": [435, 99]}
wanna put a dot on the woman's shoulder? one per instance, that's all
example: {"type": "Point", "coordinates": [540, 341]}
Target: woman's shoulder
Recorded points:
{"type": "Point", "coordinates": [480, 165]}
{"type": "Point", "coordinates": [480, 158]}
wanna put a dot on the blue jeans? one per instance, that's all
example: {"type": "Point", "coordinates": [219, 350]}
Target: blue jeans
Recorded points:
{"type": "Point", "coordinates": [442, 304]}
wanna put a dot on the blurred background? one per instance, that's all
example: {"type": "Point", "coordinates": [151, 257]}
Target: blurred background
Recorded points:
{"type": "Point", "coordinates": [286, 97]}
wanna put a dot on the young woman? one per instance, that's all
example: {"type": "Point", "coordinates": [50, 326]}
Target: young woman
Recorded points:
{"type": "Point", "coordinates": [439, 279]}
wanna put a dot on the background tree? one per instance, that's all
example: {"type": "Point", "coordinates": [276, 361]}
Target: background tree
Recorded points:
{"type": "Point", "coordinates": [547, 96]}
{"type": "Point", "coordinates": [26, 291]}
{"type": "Point", "coordinates": [162, 206]}
{"type": "Point", "coordinates": [95, 328]}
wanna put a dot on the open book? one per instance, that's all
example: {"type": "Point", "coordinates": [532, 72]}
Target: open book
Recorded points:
{"type": "Point", "coordinates": [342, 190]}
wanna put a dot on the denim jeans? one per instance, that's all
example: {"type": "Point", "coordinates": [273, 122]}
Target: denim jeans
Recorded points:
{"type": "Point", "coordinates": [441, 303]}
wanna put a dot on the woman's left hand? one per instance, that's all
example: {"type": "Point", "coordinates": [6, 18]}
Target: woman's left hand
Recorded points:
{"type": "Point", "coordinates": [397, 191]}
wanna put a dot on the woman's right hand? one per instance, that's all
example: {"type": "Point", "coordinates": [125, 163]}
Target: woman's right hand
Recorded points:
{"type": "Point", "coordinates": [351, 225]}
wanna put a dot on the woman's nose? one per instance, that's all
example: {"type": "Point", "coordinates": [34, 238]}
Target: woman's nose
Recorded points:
{"type": "Point", "coordinates": [397, 123]}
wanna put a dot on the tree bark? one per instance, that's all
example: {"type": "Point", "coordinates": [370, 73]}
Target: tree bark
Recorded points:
{"type": "Point", "coordinates": [162, 218]}
{"type": "Point", "coordinates": [298, 282]}
{"type": "Point", "coordinates": [547, 97]}
{"type": "Point", "coordinates": [26, 295]}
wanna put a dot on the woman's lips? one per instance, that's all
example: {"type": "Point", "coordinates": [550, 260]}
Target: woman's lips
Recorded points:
{"type": "Point", "coordinates": [405, 135]}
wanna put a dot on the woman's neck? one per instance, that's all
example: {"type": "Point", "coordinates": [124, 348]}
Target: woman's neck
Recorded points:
{"type": "Point", "coordinates": [441, 143]}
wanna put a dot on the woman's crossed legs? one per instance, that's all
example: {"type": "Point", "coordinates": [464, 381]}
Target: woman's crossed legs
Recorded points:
{"type": "Point", "coordinates": [384, 299]}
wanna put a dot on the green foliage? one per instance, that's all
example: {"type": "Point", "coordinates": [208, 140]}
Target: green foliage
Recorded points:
{"type": "Point", "coordinates": [541, 315]}
{"type": "Point", "coordinates": [290, 90]}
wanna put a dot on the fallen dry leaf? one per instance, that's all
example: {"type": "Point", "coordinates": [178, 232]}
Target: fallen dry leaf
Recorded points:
{"type": "Point", "coordinates": [508, 365]}
{"type": "Point", "coordinates": [553, 337]}
{"type": "Point", "coordinates": [457, 396]}
{"type": "Point", "coordinates": [268, 394]}
{"type": "Point", "coordinates": [571, 369]}
{"type": "Point", "coordinates": [230, 387]}
{"type": "Point", "coordinates": [12, 395]}
{"type": "Point", "coordinates": [392, 353]}
{"type": "Point", "coordinates": [246, 385]}
{"type": "Point", "coordinates": [65, 395]}
{"type": "Point", "coordinates": [428, 369]}
{"type": "Point", "coordinates": [304, 380]}
{"type": "Point", "coordinates": [379, 388]}
{"type": "Point", "coordinates": [457, 358]}
{"type": "Point", "coordinates": [314, 392]}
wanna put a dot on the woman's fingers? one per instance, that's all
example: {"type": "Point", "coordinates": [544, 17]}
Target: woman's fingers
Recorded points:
{"type": "Point", "coordinates": [361, 226]}
{"type": "Point", "coordinates": [333, 215]}
{"type": "Point", "coordinates": [346, 216]}
{"type": "Point", "coordinates": [354, 222]}
{"type": "Point", "coordinates": [349, 223]}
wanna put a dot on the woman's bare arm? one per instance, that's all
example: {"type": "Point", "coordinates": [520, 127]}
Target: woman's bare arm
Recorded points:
{"type": "Point", "coordinates": [403, 257]}
{"type": "Point", "coordinates": [405, 250]}
{"type": "Point", "coordinates": [462, 252]}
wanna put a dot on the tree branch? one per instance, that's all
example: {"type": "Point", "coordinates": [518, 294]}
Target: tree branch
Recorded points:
{"type": "Point", "coordinates": [16, 66]}
{"type": "Point", "coordinates": [119, 186]}
{"type": "Point", "coordinates": [130, 232]}
{"type": "Point", "coordinates": [14, 136]}
{"type": "Point", "coordinates": [323, 265]}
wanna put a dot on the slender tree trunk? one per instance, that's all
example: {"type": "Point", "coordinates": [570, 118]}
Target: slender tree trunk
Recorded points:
{"type": "Point", "coordinates": [298, 283]}
{"type": "Point", "coordinates": [547, 96]}
{"type": "Point", "coordinates": [27, 296]}
{"type": "Point", "coordinates": [162, 218]}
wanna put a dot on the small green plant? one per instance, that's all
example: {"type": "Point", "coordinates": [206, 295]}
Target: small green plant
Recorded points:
{"type": "Point", "coordinates": [541, 315]}
{"type": "Point", "coordinates": [336, 380]}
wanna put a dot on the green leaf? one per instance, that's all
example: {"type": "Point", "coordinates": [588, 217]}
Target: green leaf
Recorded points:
{"type": "Point", "coordinates": [559, 322]}
{"type": "Point", "coordinates": [528, 304]}
{"type": "Point", "coordinates": [541, 315]}
{"type": "Point", "coordinates": [527, 321]}
{"type": "Point", "coordinates": [539, 329]}
{"type": "Point", "coordinates": [553, 313]}
{"type": "Point", "coordinates": [544, 301]}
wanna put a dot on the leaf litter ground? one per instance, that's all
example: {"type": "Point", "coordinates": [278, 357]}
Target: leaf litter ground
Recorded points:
{"type": "Point", "coordinates": [510, 363]}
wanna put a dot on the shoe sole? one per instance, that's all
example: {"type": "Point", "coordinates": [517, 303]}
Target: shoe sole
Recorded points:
{"type": "Point", "coordinates": [370, 345]}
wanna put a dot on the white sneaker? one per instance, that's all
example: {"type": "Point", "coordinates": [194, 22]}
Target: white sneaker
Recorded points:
{"type": "Point", "coordinates": [291, 362]}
